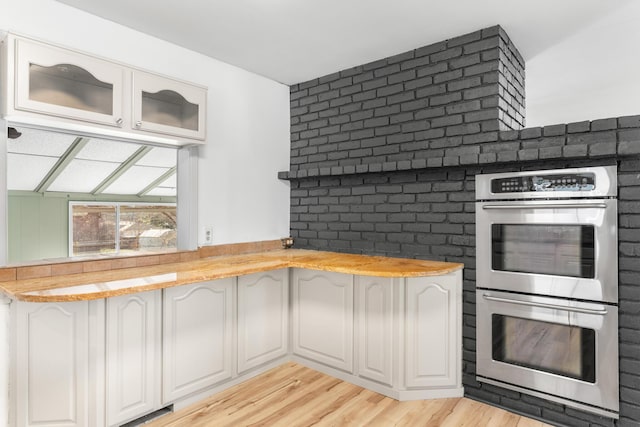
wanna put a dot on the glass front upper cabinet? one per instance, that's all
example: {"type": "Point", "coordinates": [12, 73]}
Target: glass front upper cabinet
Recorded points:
{"type": "Point", "coordinates": [67, 84]}
{"type": "Point", "coordinates": [168, 106]}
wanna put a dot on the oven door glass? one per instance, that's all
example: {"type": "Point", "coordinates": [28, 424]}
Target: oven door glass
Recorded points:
{"type": "Point", "coordinates": [559, 349]}
{"type": "Point", "coordinates": [556, 249]}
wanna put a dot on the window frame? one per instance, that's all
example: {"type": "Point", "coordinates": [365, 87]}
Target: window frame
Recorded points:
{"type": "Point", "coordinates": [117, 206]}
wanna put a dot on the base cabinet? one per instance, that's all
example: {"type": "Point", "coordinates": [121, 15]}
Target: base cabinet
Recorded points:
{"type": "Point", "coordinates": [132, 356]}
{"type": "Point", "coordinates": [50, 364]}
{"type": "Point", "coordinates": [197, 337]}
{"type": "Point", "coordinates": [374, 315]}
{"type": "Point", "coordinates": [108, 362]}
{"type": "Point", "coordinates": [263, 318]}
{"type": "Point", "coordinates": [406, 332]}
{"type": "Point", "coordinates": [323, 317]}
{"type": "Point", "coordinates": [433, 332]}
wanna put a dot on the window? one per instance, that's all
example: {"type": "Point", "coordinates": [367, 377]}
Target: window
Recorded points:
{"type": "Point", "coordinates": [46, 169]}
{"type": "Point", "coordinates": [107, 228]}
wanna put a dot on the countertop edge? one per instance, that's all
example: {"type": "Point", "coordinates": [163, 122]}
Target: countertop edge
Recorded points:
{"type": "Point", "coordinates": [221, 267]}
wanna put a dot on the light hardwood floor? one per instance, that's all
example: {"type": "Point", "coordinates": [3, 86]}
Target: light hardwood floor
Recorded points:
{"type": "Point", "coordinates": [292, 395]}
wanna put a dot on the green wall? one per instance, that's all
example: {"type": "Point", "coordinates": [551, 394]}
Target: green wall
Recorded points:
{"type": "Point", "coordinates": [38, 227]}
{"type": "Point", "coordinates": [39, 222]}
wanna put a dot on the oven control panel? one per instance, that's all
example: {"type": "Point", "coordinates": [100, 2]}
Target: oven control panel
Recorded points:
{"type": "Point", "coordinates": [544, 183]}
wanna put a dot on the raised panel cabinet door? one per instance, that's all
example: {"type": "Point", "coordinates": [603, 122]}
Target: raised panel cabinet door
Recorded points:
{"type": "Point", "coordinates": [375, 328]}
{"type": "Point", "coordinates": [323, 317]}
{"type": "Point", "coordinates": [68, 84]}
{"type": "Point", "coordinates": [133, 356]}
{"type": "Point", "coordinates": [433, 331]}
{"type": "Point", "coordinates": [168, 106]}
{"type": "Point", "coordinates": [51, 368]}
{"type": "Point", "coordinates": [263, 313]}
{"type": "Point", "coordinates": [197, 337]}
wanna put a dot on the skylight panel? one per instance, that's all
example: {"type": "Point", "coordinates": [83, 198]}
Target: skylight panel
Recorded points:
{"type": "Point", "coordinates": [82, 176]}
{"type": "Point", "coordinates": [37, 167]}
{"type": "Point", "coordinates": [135, 180]}
{"type": "Point", "coordinates": [107, 151]}
{"type": "Point", "coordinates": [165, 188]}
{"type": "Point", "coordinates": [40, 143]}
{"type": "Point", "coordinates": [159, 157]}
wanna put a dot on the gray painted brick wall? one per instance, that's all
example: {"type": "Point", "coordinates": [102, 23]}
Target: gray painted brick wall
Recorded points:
{"type": "Point", "coordinates": [377, 169]}
{"type": "Point", "coordinates": [408, 106]}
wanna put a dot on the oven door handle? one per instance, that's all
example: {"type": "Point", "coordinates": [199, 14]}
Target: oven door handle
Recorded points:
{"type": "Point", "coordinates": [543, 305]}
{"type": "Point", "coordinates": [549, 206]}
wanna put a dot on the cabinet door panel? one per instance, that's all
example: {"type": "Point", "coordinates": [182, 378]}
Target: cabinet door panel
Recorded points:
{"type": "Point", "coordinates": [133, 356]}
{"type": "Point", "coordinates": [375, 328]}
{"type": "Point", "coordinates": [51, 364]}
{"type": "Point", "coordinates": [67, 84]}
{"type": "Point", "coordinates": [168, 106]}
{"type": "Point", "coordinates": [263, 313]}
{"type": "Point", "coordinates": [323, 317]}
{"type": "Point", "coordinates": [432, 323]}
{"type": "Point", "coordinates": [197, 337]}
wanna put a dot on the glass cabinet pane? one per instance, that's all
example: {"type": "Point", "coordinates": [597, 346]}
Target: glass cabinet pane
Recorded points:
{"type": "Point", "coordinates": [70, 86]}
{"type": "Point", "coordinates": [169, 108]}
{"type": "Point", "coordinates": [64, 83]}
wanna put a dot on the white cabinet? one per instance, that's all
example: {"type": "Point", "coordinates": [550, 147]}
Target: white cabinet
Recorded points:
{"type": "Point", "coordinates": [375, 328]}
{"type": "Point", "coordinates": [263, 312]}
{"type": "Point", "coordinates": [107, 362]}
{"type": "Point", "coordinates": [407, 332]}
{"type": "Point", "coordinates": [66, 84]}
{"type": "Point", "coordinates": [197, 337]}
{"type": "Point", "coordinates": [168, 106]}
{"type": "Point", "coordinates": [50, 383]}
{"type": "Point", "coordinates": [323, 317]}
{"type": "Point", "coordinates": [54, 87]}
{"type": "Point", "coordinates": [433, 331]}
{"type": "Point", "coordinates": [133, 356]}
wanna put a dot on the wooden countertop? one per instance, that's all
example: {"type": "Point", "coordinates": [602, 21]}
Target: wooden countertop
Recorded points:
{"type": "Point", "coordinates": [104, 284]}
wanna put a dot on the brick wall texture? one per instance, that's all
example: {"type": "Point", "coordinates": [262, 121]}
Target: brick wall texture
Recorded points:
{"type": "Point", "coordinates": [384, 158]}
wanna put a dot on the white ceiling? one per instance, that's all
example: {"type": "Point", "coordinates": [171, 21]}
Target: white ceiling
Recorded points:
{"type": "Point", "coordinates": [42, 154]}
{"type": "Point", "coordinates": [291, 41]}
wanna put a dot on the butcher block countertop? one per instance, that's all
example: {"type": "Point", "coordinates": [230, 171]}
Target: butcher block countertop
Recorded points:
{"type": "Point", "coordinates": [105, 284]}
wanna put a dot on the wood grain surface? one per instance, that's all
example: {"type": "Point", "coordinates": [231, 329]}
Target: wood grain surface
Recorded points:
{"type": "Point", "coordinates": [292, 395]}
{"type": "Point", "coordinates": [110, 283]}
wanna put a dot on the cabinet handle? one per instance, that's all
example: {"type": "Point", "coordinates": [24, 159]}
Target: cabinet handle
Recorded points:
{"type": "Point", "coordinates": [119, 122]}
{"type": "Point", "coordinates": [138, 124]}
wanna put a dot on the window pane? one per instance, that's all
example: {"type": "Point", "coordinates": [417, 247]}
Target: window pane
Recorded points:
{"type": "Point", "coordinates": [147, 228]}
{"type": "Point", "coordinates": [94, 229]}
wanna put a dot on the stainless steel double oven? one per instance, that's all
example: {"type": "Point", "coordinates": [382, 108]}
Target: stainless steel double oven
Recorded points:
{"type": "Point", "coordinates": [547, 285]}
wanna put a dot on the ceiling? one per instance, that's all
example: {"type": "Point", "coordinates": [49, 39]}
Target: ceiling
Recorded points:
{"type": "Point", "coordinates": [58, 162]}
{"type": "Point", "coordinates": [291, 41]}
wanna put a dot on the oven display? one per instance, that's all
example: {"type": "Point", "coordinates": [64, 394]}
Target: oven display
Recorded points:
{"type": "Point", "coordinates": [564, 350]}
{"type": "Point", "coordinates": [554, 249]}
{"type": "Point", "coordinates": [544, 183]}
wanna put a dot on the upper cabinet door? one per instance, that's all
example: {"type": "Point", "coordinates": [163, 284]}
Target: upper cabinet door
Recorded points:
{"type": "Point", "coordinates": [168, 106]}
{"type": "Point", "coordinates": [67, 84]}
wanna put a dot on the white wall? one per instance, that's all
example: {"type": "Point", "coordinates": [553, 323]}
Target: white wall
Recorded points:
{"type": "Point", "coordinates": [592, 74]}
{"type": "Point", "coordinates": [239, 194]}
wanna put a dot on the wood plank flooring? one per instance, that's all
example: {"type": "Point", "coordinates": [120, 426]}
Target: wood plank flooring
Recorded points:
{"type": "Point", "coordinates": [292, 395]}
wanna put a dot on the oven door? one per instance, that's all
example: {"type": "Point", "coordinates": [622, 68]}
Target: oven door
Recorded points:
{"type": "Point", "coordinates": [566, 350]}
{"type": "Point", "coordinates": [563, 248]}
